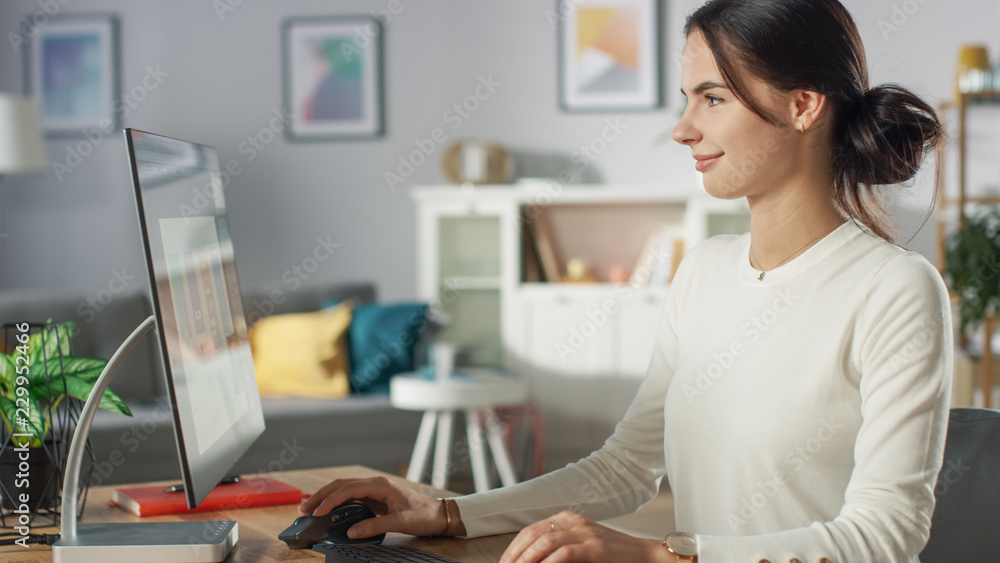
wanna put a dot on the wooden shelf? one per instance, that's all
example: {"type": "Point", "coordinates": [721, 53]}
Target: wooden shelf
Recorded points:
{"type": "Point", "coordinates": [962, 105]}
{"type": "Point", "coordinates": [972, 98]}
{"type": "Point", "coordinates": [986, 199]}
{"type": "Point", "coordinates": [473, 282]}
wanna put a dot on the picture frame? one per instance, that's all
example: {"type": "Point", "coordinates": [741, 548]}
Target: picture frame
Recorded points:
{"type": "Point", "coordinates": [71, 69]}
{"type": "Point", "coordinates": [610, 54]}
{"type": "Point", "coordinates": [333, 78]}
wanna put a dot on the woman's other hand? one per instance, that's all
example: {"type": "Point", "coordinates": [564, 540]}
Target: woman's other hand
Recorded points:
{"type": "Point", "coordinates": [399, 509]}
{"type": "Point", "coordinates": [570, 537]}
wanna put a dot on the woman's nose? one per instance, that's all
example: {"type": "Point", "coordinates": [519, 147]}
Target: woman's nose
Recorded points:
{"type": "Point", "coordinates": [684, 132]}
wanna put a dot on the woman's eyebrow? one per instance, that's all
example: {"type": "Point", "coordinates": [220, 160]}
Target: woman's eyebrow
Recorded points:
{"type": "Point", "coordinates": [706, 85]}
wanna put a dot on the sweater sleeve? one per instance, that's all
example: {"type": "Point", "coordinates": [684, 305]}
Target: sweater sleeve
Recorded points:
{"type": "Point", "coordinates": [615, 480]}
{"type": "Point", "coordinates": [903, 349]}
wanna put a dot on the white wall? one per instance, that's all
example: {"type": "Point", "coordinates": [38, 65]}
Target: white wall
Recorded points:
{"type": "Point", "coordinates": [224, 80]}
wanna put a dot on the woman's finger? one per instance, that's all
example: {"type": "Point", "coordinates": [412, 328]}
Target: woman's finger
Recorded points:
{"type": "Point", "coordinates": [378, 489]}
{"type": "Point", "coordinates": [545, 545]}
{"type": "Point", "coordinates": [313, 501]}
{"type": "Point", "coordinates": [520, 542]}
{"type": "Point", "coordinates": [375, 526]}
{"type": "Point", "coordinates": [526, 538]}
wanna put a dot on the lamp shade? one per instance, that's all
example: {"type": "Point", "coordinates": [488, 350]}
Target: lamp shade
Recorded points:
{"type": "Point", "coordinates": [21, 146]}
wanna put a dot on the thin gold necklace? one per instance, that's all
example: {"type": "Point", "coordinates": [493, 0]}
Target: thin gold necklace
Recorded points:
{"type": "Point", "coordinates": [764, 271]}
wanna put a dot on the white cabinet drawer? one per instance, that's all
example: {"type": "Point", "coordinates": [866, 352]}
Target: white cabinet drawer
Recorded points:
{"type": "Point", "coordinates": [568, 335]}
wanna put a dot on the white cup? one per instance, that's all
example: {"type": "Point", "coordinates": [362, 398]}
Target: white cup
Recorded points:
{"type": "Point", "coordinates": [474, 161]}
{"type": "Point", "coordinates": [444, 358]}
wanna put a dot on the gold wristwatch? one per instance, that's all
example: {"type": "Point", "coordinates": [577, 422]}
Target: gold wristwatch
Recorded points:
{"type": "Point", "coordinates": [683, 545]}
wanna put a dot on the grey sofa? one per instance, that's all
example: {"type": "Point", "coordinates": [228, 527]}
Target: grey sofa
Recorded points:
{"type": "Point", "coordinates": [300, 433]}
{"type": "Point", "coordinates": [967, 513]}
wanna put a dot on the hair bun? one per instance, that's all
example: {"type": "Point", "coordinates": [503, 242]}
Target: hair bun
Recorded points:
{"type": "Point", "coordinates": [887, 134]}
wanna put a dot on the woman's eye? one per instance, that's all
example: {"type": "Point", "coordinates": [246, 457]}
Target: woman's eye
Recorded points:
{"type": "Point", "coordinates": [713, 100]}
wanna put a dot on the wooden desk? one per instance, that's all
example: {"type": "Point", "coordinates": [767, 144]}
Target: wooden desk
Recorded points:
{"type": "Point", "coordinates": [259, 527]}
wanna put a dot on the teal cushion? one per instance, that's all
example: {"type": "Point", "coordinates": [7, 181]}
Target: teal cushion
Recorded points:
{"type": "Point", "coordinates": [381, 340]}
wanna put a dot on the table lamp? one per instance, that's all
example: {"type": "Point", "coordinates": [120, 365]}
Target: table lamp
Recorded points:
{"type": "Point", "coordinates": [21, 148]}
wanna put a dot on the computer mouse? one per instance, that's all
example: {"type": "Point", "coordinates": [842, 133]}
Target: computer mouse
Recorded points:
{"type": "Point", "coordinates": [331, 527]}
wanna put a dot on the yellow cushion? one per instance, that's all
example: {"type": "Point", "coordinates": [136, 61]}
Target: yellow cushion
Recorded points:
{"type": "Point", "coordinates": [304, 354]}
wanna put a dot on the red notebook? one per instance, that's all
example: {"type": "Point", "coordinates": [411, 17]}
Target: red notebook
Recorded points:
{"type": "Point", "coordinates": [247, 493]}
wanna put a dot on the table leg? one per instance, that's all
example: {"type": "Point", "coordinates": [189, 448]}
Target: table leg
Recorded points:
{"type": "Point", "coordinates": [988, 325]}
{"type": "Point", "coordinates": [477, 451]}
{"type": "Point", "coordinates": [500, 457]}
{"type": "Point", "coordinates": [421, 450]}
{"type": "Point", "coordinates": [442, 451]}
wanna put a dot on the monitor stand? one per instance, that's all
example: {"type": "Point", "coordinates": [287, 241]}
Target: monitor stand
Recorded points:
{"type": "Point", "coordinates": [177, 542]}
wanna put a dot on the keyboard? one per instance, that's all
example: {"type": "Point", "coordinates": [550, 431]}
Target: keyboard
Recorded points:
{"type": "Point", "coordinates": [371, 553]}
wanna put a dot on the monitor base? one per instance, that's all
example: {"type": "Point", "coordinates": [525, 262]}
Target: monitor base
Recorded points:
{"type": "Point", "coordinates": [169, 542]}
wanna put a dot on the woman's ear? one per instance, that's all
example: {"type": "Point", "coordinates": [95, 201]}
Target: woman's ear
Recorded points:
{"type": "Point", "coordinates": [807, 107]}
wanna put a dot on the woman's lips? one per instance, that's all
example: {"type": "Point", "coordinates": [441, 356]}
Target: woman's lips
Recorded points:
{"type": "Point", "coordinates": [702, 163]}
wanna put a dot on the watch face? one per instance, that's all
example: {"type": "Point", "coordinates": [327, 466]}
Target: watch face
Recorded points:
{"type": "Point", "coordinates": [682, 543]}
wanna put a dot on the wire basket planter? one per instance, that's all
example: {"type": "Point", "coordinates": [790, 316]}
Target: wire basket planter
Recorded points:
{"type": "Point", "coordinates": [40, 382]}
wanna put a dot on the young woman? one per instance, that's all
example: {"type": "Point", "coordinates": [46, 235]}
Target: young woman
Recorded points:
{"type": "Point", "coordinates": [798, 394]}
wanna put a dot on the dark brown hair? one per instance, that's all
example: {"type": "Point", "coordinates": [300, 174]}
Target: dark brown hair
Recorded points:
{"type": "Point", "coordinates": [880, 135]}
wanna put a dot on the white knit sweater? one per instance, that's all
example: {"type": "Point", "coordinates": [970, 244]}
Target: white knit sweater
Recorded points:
{"type": "Point", "coordinates": [800, 416]}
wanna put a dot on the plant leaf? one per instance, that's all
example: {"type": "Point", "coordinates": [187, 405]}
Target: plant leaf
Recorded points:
{"type": "Point", "coordinates": [51, 342]}
{"type": "Point", "coordinates": [35, 424]}
{"type": "Point", "coordinates": [86, 369]}
{"type": "Point", "coordinates": [34, 345]}
{"type": "Point", "coordinates": [75, 387]}
{"type": "Point", "coordinates": [8, 373]}
{"type": "Point", "coordinates": [972, 261]}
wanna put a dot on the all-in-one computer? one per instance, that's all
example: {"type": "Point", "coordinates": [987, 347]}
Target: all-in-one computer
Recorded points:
{"type": "Point", "coordinates": [202, 333]}
{"type": "Point", "coordinates": [203, 339]}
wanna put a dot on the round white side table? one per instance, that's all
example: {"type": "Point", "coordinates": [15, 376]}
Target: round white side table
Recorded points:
{"type": "Point", "coordinates": [475, 392]}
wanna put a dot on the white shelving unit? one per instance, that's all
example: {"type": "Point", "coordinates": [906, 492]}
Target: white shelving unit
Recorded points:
{"type": "Point", "coordinates": [952, 209]}
{"type": "Point", "coordinates": [582, 348]}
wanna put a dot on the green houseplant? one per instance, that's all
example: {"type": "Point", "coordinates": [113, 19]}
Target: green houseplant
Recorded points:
{"type": "Point", "coordinates": [972, 271]}
{"type": "Point", "coordinates": [37, 373]}
{"type": "Point", "coordinates": [972, 267]}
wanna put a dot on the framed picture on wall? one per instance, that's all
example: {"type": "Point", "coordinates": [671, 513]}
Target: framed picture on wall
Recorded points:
{"type": "Point", "coordinates": [609, 55]}
{"type": "Point", "coordinates": [333, 78]}
{"type": "Point", "coordinates": [71, 69]}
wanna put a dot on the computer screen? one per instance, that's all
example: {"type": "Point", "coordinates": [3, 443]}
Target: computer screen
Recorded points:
{"type": "Point", "coordinates": [195, 293]}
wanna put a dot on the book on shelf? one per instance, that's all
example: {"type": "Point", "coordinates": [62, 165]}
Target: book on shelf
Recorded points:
{"type": "Point", "coordinates": [531, 262]}
{"type": "Point", "coordinates": [151, 500]}
{"type": "Point", "coordinates": [660, 254]}
{"type": "Point", "coordinates": [539, 231]}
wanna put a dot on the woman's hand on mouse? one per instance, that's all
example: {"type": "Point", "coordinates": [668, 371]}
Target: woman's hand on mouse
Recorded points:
{"type": "Point", "coordinates": [399, 508]}
{"type": "Point", "coordinates": [570, 537]}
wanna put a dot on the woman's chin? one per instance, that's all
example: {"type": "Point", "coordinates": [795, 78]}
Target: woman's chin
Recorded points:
{"type": "Point", "coordinates": [721, 190]}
